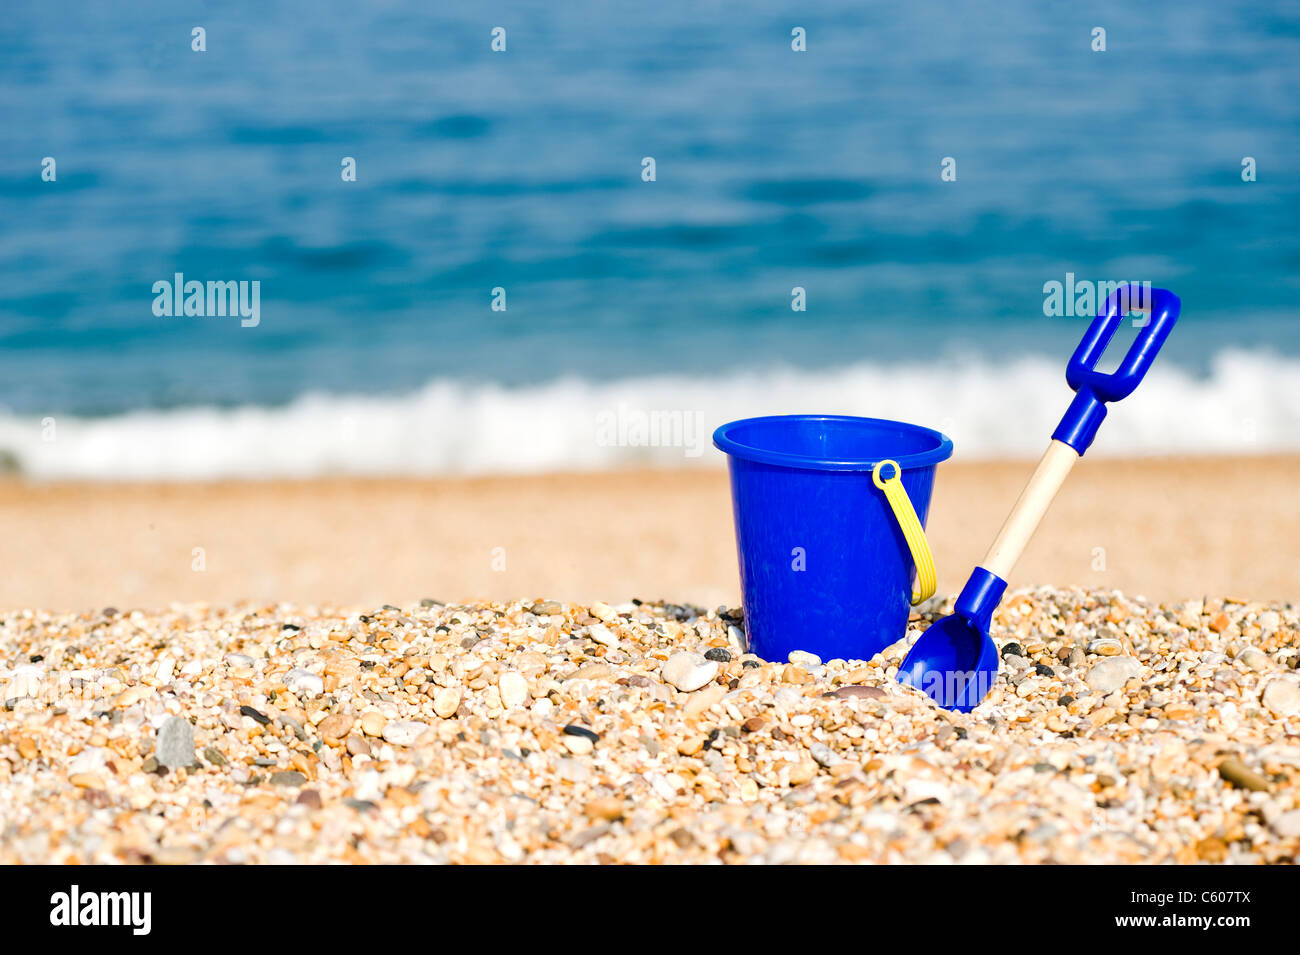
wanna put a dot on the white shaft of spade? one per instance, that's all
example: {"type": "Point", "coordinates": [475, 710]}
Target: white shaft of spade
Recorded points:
{"type": "Point", "coordinates": [1030, 507]}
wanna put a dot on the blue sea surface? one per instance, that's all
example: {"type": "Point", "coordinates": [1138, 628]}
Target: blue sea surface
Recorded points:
{"type": "Point", "coordinates": [522, 170]}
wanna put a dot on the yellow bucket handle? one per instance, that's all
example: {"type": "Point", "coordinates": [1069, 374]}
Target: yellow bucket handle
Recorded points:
{"type": "Point", "coordinates": [910, 524]}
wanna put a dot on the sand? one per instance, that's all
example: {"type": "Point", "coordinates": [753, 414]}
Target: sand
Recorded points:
{"type": "Point", "coordinates": [1165, 529]}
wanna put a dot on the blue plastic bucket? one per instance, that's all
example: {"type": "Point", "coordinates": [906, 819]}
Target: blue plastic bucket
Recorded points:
{"type": "Point", "coordinates": [824, 566]}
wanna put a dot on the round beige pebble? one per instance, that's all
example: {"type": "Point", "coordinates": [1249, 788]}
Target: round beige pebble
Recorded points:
{"type": "Point", "coordinates": [1282, 697]}
{"type": "Point", "coordinates": [446, 701]}
{"type": "Point", "coordinates": [513, 689]}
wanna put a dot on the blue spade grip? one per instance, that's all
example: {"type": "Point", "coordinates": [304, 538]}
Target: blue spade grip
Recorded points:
{"type": "Point", "coordinates": [1093, 388]}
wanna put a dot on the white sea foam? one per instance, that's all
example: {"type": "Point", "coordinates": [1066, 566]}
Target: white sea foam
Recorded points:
{"type": "Point", "coordinates": [1248, 403]}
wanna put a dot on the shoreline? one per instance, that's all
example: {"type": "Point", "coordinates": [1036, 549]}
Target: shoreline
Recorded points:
{"type": "Point", "coordinates": [1161, 528]}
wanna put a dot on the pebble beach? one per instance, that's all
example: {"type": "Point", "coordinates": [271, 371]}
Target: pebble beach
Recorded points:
{"type": "Point", "coordinates": [1119, 731]}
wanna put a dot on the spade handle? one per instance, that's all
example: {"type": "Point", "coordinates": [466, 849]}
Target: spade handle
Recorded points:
{"type": "Point", "coordinates": [1030, 507]}
{"type": "Point", "coordinates": [1093, 390]}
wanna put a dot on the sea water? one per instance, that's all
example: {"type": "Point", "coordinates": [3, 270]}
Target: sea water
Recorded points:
{"type": "Point", "coordinates": [876, 224]}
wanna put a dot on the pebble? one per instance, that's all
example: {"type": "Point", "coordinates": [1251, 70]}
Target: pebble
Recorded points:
{"type": "Point", "coordinates": [175, 745]}
{"type": "Point", "coordinates": [581, 732]}
{"type": "Point", "coordinates": [1106, 647]}
{"type": "Point", "coordinates": [1112, 673]}
{"type": "Point", "coordinates": [1179, 711]}
{"type": "Point", "coordinates": [513, 689]}
{"type": "Point", "coordinates": [688, 671]}
{"type": "Point", "coordinates": [591, 671]}
{"type": "Point", "coordinates": [823, 754]}
{"type": "Point", "coordinates": [373, 723]}
{"type": "Point", "coordinates": [1287, 825]}
{"type": "Point", "coordinates": [357, 745]}
{"type": "Point", "coordinates": [603, 612]}
{"type": "Point", "coordinates": [578, 745]}
{"type": "Point", "coordinates": [717, 655]}
{"type": "Point", "coordinates": [289, 777]}
{"type": "Point", "coordinates": [602, 635]}
{"type": "Point", "coordinates": [446, 701]}
{"type": "Point", "coordinates": [802, 658]}
{"type": "Point", "coordinates": [857, 692]}
{"type": "Point", "coordinates": [1254, 659]}
{"type": "Point", "coordinates": [705, 698]}
{"type": "Point", "coordinates": [608, 808]}
{"type": "Point", "coordinates": [255, 714]}
{"type": "Point", "coordinates": [403, 732]}
{"type": "Point", "coordinates": [304, 683]}
{"type": "Point", "coordinates": [335, 726]}
{"type": "Point", "coordinates": [1282, 697]}
{"type": "Point", "coordinates": [1242, 776]}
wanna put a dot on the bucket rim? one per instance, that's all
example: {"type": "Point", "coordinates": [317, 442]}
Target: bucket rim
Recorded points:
{"type": "Point", "coordinates": [723, 441]}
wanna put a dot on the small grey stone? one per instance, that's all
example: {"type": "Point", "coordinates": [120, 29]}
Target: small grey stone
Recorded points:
{"type": "Point", "coordinates": [289, 777]}
{"type": "Point", "coordinates": [823, 754]}
{"type": "Point", "coordinates": [175, 746]}
{"type": "Point", "coordinates": [298, 729]}
{"type": "Point", "coordinates": [1112, 673]}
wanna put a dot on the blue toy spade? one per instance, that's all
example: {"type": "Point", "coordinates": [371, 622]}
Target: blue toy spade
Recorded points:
{"type": "Point", "coordinates": [955, 662]}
